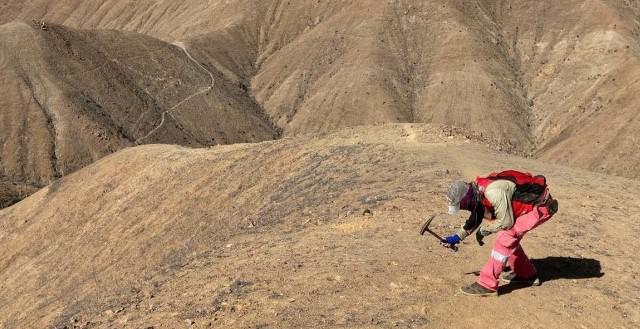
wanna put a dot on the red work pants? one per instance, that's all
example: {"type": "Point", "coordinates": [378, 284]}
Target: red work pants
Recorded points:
{"type": "Point", "coordinates": [507, 249]}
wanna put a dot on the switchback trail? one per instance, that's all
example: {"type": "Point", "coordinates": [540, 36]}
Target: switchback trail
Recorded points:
{"type": "Point", "coordinates": [182, 46]}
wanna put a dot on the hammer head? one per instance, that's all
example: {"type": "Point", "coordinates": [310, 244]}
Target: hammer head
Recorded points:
{"type": "Point", "coordinates": [426, 224]}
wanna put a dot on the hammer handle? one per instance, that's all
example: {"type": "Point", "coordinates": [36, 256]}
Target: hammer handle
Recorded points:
{"type": "Point", "coordinates": [425, 228]}
{"type": "Point", "coordinates": [434, 234]}
{"type": "Point", "coordinates": [452, 247]}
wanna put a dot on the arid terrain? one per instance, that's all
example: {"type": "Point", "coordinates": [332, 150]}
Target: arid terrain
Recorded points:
{"type": "Point", "coordinates": [543, 78]}
{"type": "Point", "coordinates": [323, 233]}
{"type": "Point", "coordinates": [267, 163]}
{"type": "Point", "coordinates": [71, 97]}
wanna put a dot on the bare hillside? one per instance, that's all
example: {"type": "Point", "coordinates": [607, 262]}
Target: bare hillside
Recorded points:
{"type": "Point", "coordinates": [12, 192]}
{"type": "Point", "coordinates": [70, 97]}
{"type": "Point", "coordinates": [551, 78]}
{"type": "Point", "coordinates": [314, 231]}
{"type": "Point", "coordinates": [318, 228]}
{"type": "Point", "coordinates": [580, 61]}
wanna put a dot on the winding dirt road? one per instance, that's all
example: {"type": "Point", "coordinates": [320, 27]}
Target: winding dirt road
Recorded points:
{"type": "Point", "coordinates": [182, 46]}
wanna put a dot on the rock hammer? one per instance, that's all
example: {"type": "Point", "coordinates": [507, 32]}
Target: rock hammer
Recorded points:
{"type": "Point", "coordinates": [425, 228]}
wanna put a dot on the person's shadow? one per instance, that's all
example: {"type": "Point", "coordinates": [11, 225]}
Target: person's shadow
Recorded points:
{"type": "Point", "coordinates": [555, 268]}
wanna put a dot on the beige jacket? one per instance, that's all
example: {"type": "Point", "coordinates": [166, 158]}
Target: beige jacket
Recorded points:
{"type": "Point", "coordinates": [499, 193]}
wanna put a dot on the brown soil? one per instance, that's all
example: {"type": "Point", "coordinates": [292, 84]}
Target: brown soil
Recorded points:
{"type": "Point", "coordinates": [380, 105]}
{"type": "Point", "coordinates": [72, 97]}
{"type": "Point", "coordinates": [313, 231]}
{"type": "Point", "coordinates": [548, 77]}
{"type": "Point", "coordinates": [12, 192]}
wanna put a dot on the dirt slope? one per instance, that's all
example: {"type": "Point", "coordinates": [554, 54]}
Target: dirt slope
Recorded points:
{"type": "Point", "coordinates": [273, 235]}
{"type": "Point", "coordinates": [12, 192]}
{"type": "Point", "coordinates": [581, 71]}
{"type": "Point", "coordinates": [71, 97]}
{"type": "Point", "coordinates": [548, 77]}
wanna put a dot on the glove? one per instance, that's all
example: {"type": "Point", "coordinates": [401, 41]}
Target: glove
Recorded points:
{"type": "Point", "coordinates": [480, 234]}
{"type": "Point", "coordinates": [452, 240]}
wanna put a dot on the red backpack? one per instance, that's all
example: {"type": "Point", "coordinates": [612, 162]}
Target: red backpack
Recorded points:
{"type": "Point", "coordinates": [530, 190]}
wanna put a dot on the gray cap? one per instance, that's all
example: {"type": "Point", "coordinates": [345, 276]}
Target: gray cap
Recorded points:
{"type": "Point", "coordinates": [457, 191]}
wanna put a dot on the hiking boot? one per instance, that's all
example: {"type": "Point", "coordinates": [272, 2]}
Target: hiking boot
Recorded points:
{"type": "Point", "coordinates": [513, 278]}
{"type": "Point", "coordinates": [477, 290]}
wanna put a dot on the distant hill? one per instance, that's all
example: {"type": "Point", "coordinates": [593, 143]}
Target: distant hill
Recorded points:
{"type": "Point", "coordinates": [347, 120]}
{"type": "Point", "coordinates": [550, 78]}
{"type": "Point", "coordinates": [12, 192]}
{"type": "Point", "coordinates": [71, 97]}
